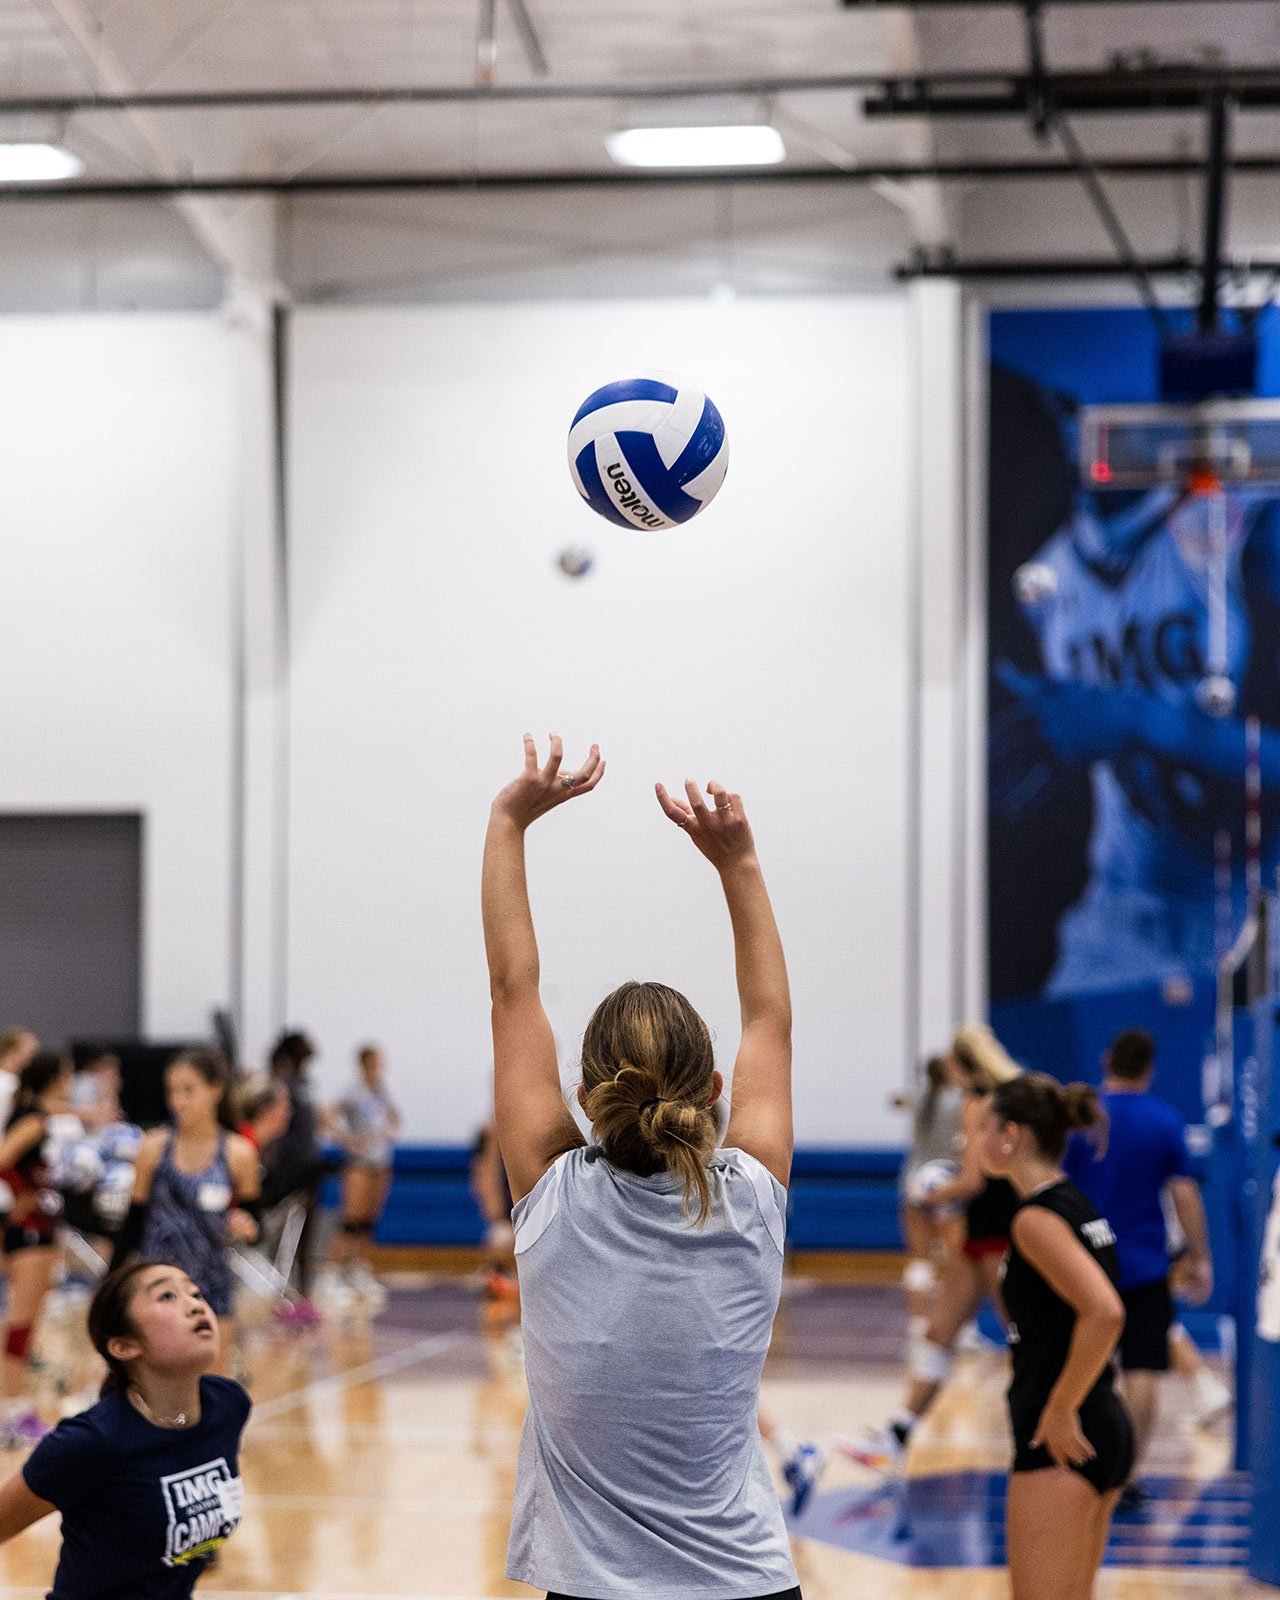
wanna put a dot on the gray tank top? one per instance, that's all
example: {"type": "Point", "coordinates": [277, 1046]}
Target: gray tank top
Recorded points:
{"type": "Point", "coordinates": [641, 1473]}
{"type": "Point", "coordinates": [940, 1139]}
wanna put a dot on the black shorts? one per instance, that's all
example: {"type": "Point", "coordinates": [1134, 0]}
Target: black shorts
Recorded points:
{"type": "Point", "coordinates": [1105, 1424]}
{"type": "Point", "coordinates": [781, 1594]}
{"type": "Point", "coordinates": [33, 1233]}
{"type": "Point", "coordinates": [1148, 1316]}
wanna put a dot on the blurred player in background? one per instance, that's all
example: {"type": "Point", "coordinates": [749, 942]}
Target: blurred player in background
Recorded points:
{"type": "Point", "coordinates": [365, 1123]}
{"type": "Point", "coordinates": [31, 1236]}
{"type": "Point", "coordinates": [493, 1197]}
{"type": "Point", "coordinates": [931, 1231]}
{"type": "Point", "coordinates": [1146, 1153]}
{"type": "Point", "coordinates": [95, 1089]}
{"type": "Point", "coordinates": [197, 1185]}
{"type": "Point", "coordinates": [17, 1047]}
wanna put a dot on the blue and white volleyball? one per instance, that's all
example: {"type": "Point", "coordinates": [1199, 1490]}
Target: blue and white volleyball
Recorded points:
{"type": "Point", "coordinates": [648, 451]}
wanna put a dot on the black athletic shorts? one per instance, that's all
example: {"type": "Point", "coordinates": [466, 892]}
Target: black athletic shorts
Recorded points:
{"type": "Point", "coordinates": [1148, 1316]}
{"type": "Point", "coordinates": [36, 1232]}
{"type": "Point", "coordinates": [1105, 1424]}
{"type": "Point", "coordinates": [782, 1594]}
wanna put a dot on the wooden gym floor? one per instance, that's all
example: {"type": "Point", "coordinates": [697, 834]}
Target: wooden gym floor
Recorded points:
{"type": "Point", "coordinates": [380, 1462]}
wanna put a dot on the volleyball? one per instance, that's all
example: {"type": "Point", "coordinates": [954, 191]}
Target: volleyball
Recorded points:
{"type": "Point", "coordinates": [648, 451]}
{"type": "Point", "coordinates": [924, 1180]}
{"type": "Point", "coordinates": [79, 1167]}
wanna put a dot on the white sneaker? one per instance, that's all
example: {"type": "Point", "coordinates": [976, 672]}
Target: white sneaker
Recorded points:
{"type": "Point", "coordinates": [1213, 1401]}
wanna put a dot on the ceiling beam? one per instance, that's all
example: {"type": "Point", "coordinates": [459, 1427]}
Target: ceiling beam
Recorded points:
{"type": "Point", "coordinates": [941, 266]}
{"type": "Point", "coordinates": [988, 93]}
{"type": "Point", "coordinates": [1145, 89]}
{"type": "Point", "coordinates": [1132, 167]}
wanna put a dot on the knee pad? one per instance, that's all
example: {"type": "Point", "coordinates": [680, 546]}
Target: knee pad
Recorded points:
{"type": "Point", "coordinates": [17, 1343]}
{"type": "Point", "coordinates": [918, 1277]}
{"type": "Point", "coordinates": [929, 1362]}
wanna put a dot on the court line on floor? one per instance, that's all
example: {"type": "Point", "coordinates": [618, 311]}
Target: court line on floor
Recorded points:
{"type": "Point", "coordinates": [381, 1367]}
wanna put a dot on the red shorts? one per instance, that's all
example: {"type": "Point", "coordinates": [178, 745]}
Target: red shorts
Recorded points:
{"type": "Point", "coordinates": [979, 1249]}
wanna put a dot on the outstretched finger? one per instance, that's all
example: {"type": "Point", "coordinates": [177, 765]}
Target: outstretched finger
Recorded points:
{"type": "Point", "coordinates": [720, 797]}
{"type": "Point", "coordinates": [589, 766]}
{"type": "Point", "coordinates": [678, 812]}
{"type": "Point", "coordinates": [555, 757]}
{"type": "Point", "coordinates": [530, 754]}
{"type": "Point", "coordinates": [585, 784]}
{"type": "Point", "coordinates": [696, 802]}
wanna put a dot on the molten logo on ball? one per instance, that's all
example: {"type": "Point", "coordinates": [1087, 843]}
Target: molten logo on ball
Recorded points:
{"type": "Point", "coordinates": [648, 452]}
{"type": "Point", "coordinates": [629, 500]}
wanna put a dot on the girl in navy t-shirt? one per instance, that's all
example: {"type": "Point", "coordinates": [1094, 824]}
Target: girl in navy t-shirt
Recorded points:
{"type": "Point", "coordinates": [148, 1480]}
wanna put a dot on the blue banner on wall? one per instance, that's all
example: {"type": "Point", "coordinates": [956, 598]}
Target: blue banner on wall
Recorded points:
{"type": "Point", "coordinates": [1111, 788]}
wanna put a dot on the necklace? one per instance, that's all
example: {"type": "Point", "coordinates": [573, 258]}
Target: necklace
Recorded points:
{"type": "Point", "coordinates": [180, 1421]}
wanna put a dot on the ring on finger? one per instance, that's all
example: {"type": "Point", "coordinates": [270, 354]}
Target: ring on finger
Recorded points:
{"type": "Point", "coordinates": [570, 780]}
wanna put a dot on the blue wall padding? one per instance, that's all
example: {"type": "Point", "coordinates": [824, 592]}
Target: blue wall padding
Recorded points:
{"type": "Point", "coordinates": [840, 1199]}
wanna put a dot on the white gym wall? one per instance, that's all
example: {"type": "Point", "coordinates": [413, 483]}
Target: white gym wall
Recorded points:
{"type": "Point", "coordinates": [793, 642]}
{"type": "Point", "coordinates": [768, 646]}
{"type": "Point", "coordinates": [116, 646]}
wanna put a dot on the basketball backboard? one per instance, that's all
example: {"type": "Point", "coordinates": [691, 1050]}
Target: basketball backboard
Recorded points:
{"type": "Point", "coordinates": [1227, 442]}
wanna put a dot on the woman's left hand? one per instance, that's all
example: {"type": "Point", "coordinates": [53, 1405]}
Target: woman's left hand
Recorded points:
{"type": "Point", "coordinates": [241, 1226]}
{"type": "Point", "coordinates": [1060, 1433]}
{"type": "Point", "coordinates": [540, 789]}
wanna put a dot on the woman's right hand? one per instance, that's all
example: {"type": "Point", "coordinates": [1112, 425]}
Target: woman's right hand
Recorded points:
{"type": "Point", "coordinates": [540, 789]}
{"type": "Point", "coordinates": [1060, 1433]}
{"type": "Point", "coordinates": [721, 831]}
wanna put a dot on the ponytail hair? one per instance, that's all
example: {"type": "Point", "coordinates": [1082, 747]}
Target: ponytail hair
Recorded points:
{"type": "Point", "coordinates": [110, 1318]}
{"type": "Point", "coordinates": [935, 1077]}
{"type": "Point", "coordinates": [1038, 1102]}
{"type": "Point", "coordinates": [647, 1066]}
{"type": "Point", "coordinates": [211, 1066]}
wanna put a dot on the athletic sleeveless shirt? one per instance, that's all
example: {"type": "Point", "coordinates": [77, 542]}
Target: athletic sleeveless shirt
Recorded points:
{"type": "Point", "coordinates": [1040, 1320]}
{"type": "Point", "coordinates": [641, 1473]}
{"type": "Point", "coordinates": [990, 1213]}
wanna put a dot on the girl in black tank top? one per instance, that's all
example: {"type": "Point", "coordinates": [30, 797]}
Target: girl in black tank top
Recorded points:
{"type": "Point", "coordinates": [1073, 1443]}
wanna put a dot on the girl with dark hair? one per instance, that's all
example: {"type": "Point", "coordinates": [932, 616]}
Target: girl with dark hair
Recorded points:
{"type": "Point", "coordinates": [31, 1231]}
{"type": "Point", "coordinates": [651, 1262]}
{"type": "Point", "coordinates": [196, 1185]}
{"type": "Point", "coordinates": [148, 1480]}
{"type": "Point", "coordinates": [1073, 1442]}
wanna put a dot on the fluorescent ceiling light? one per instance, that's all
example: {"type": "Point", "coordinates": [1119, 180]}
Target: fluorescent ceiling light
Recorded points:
{"type": "Point", "coordinates": [754, 145]}
{"type": "Point", "coordinates": [37, 163]}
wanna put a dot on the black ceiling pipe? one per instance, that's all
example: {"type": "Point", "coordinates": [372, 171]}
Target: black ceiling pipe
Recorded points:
{"type": "Point", "coordinates": [1135, 167]}
{"type": "Point", "coordinates": [1067, 267]}
{"type": "Point", "coordinates": [991, 93]}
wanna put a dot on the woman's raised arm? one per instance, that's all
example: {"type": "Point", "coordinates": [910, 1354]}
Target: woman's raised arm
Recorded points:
{"type": "Point", "coordinates": [760, 1115]}
{"type": "Point", "coordinates": [533, 1123]}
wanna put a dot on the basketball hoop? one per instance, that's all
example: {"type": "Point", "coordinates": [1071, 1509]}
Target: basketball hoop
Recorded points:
{"type": "Point", "coordinates": [1203, 481]}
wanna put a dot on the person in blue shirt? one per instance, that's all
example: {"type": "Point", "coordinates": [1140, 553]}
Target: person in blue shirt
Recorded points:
{"type": "Point", "coordinates": [1146, 1152]}
{"type": "Point", "coordinates": [147, 1480]}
